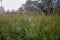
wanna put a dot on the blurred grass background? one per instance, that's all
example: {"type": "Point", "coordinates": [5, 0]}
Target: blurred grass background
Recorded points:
{"type": "Point", "coordinates": [29, 27]}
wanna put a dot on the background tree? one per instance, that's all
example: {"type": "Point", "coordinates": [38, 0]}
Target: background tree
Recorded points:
{"type": "Point", "coordinates": [21, 9]}
{"type": "Point", "coordinates": [34, 5]}
{"type": "Point", "coordinates": [47, 3]}
{"type": "Point", "coordinates": [28, 2]}
{"type": "Point", "coordinates": [1, 0]}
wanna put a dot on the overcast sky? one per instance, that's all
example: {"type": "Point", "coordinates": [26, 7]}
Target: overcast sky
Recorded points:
{"type": "Point", "coordinates": [12, 4]}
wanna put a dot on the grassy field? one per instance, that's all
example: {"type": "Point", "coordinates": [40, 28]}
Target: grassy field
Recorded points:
{"type": "Point", "coordinates": [29, 27]}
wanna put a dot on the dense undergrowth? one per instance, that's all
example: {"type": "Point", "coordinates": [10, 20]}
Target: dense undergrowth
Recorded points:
{"type": "Point", "coordinates": [29, 27]}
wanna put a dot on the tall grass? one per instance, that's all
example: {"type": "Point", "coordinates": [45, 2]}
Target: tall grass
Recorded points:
{"type": "Point", "coordinates": [29, 27]}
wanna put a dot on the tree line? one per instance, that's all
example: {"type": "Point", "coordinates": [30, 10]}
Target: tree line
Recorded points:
{"type": "Point", "coordinates": [46, 6]}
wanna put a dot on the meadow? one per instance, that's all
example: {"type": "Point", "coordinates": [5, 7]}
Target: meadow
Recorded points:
{"type": "Point", "coordinates": [29, 27]}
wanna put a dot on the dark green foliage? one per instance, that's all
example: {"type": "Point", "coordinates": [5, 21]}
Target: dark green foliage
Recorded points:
{"type": "Point", "coordinates": [28, 2]}
{"type": "Point", "coordinates": [21, 9]}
